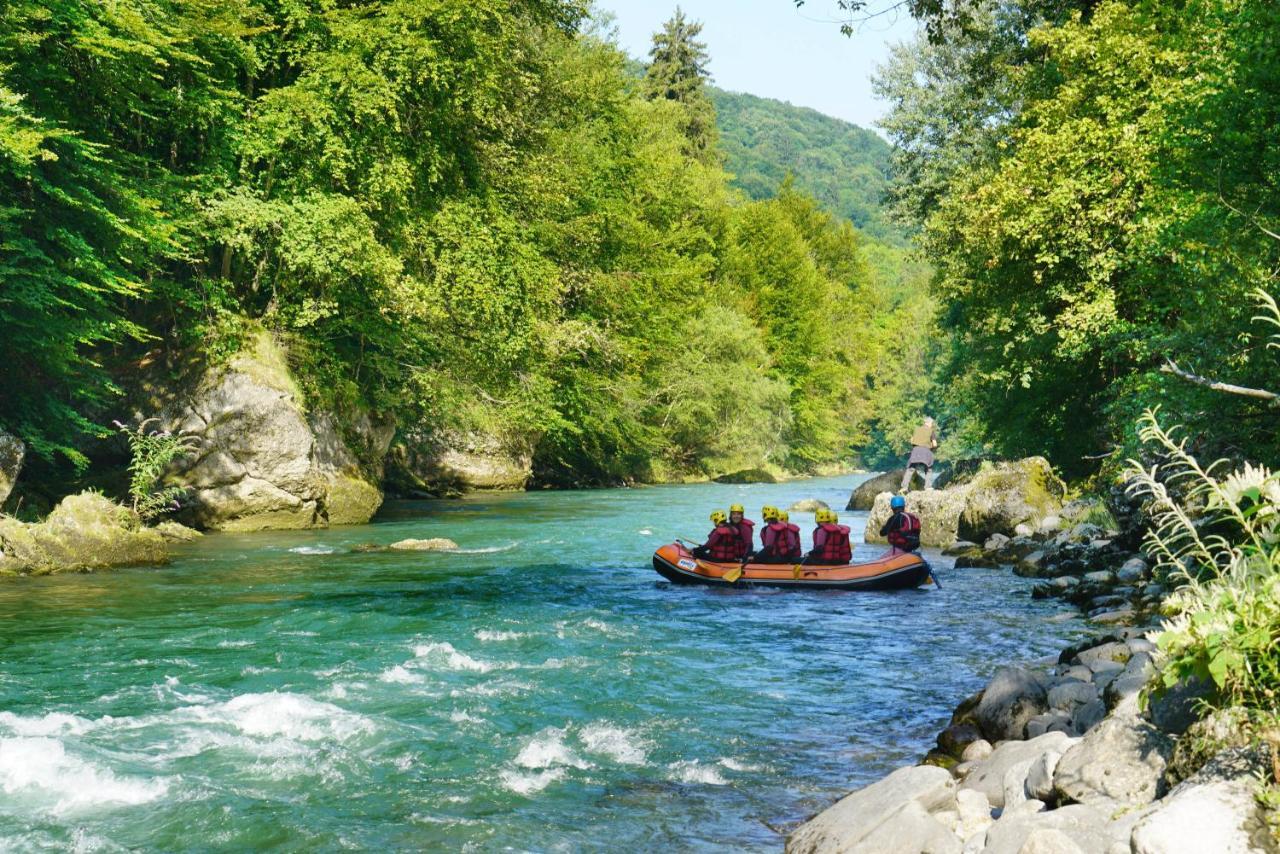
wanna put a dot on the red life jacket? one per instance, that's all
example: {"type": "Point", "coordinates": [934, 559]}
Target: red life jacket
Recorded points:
{"type": "Point", "coordinates": [745, 531]}
{"type": "Point", "coordinates": [774, 540]}
{"type": "Point", "coordinates": [724, 544]}
{"type": "Point", "coordinates": [907, 535]}
{"type": "Point", "coordinates": [835, 549]}
{"type": "Point", "coordinates": [793, 540]}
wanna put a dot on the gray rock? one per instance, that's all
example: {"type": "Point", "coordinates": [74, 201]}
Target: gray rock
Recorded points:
{"type": "Point", "coordinates": [977, 561]}
{"type": "Point", "coordinates": [1105, 602]}
{"type": "Point", "coordinates": [808, 505]}
{"type": "Point", "coordinates": [435, 544]}
{"type": "Point", "coordinates": [1123, 687]}
{"type": "Point", "coordinates": [1051, 721]}
{"type": "Point", "coordinates": [84, 532]}
{"type": "Point", "coordinates": [1137, 645]}
{"type": "Point", "coordinates": [1220, 816]}
{"type": "Point", "coordinates": [1023, 530]}
{"type": "Point", "coordinates": [961, 547]}
{"type": "Point", "coordinates": [1012, 698]}
{"type": "Point", "coordinates": [1014, 784]}
{"type": "Point", "coordinates": [1104, 655]}
{"type": "Point", "coordinates": [1070, 695]}
{"type": "Point", "coordinates": [1117, 764]}
{"type": "Point", "coordinates": [988, 776]}
{"type": "Point", "coordinates": [955, 738]}
{"type": "Point", "coordinates": [1101, 576]}
{"type": "Point", "coordinates": [864, 494]}
{"type": "Point", "coordinates": [1086, 828]}
{"type": "Point", "coordinates": [977, 751]}
{"type": "Point", "coordinates": [261, 460]}
{"type": "Point", "coordinates": [1048, 840]}
{"type": "Point", "coordinates": [1049, 524]}
{"type": "Point", "coordinates": [12, 453]}
{"type": "Point", "coordinates": [1078, 671]}
{"type": "Point", "coordinates": [1030, 566]}
{"type": "Point", "coordinates": [1133, 570]}
{"type": "Point", "coordinates": [451, 462]}
{"type": "Point", "coordinates": [1002, 496]}
{"type": "Point", "coordinates": [1040, 776]}
{"type": "Point", "coordinates": [1174, 709]}
{"type": "Point", "coordinates": [900, 803]}
{"type": "Point", "coordinates": [995, 542]}
{"type": "Point", "coordinates": [1118, 617]}
{"type": "Point", "coordinates": [1089, 715]}
{"type": "Point", "coordinates": [974, 813]}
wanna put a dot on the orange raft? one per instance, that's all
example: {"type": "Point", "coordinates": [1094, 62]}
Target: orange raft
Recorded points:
{"type": "Point", "coordinates": [900, 571]}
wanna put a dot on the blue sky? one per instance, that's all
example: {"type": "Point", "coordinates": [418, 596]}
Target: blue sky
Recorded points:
{"type": "Point", "coordinates": [769, 48]}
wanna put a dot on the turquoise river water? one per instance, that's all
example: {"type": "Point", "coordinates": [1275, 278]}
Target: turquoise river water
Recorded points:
{"type": "Point", "coordinates": [542, 689]}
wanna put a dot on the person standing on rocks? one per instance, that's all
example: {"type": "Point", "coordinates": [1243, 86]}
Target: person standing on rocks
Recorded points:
{"type": "Point", "coordinates": [923, 443]}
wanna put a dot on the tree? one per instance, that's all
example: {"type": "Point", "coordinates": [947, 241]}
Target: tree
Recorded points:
{"type": "Point", "coordinates": [678, 72]}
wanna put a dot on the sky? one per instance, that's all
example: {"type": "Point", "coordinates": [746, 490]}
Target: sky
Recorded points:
{"type": "Point", "coordinates": [769, 48]}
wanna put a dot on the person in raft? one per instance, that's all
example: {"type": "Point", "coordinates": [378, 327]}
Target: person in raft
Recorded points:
{"type": "Point", "coordinates": [902, 529]}
{"type": "Point", "coordinates": [830, 541]}
{"type": "Point", "coordinates": [923, 442]}
{"type": "Point", "coordinates": [745, 528]}
{"type": "Point", "coordinates": [779, 540]}
{"type": "Point", "coordinates": [793, 552]}
{"type": "Point", "coordinates": [723, 543]}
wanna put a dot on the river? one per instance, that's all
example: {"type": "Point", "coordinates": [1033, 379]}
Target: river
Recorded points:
{"type": "Point", "coordinates": [541, 689]}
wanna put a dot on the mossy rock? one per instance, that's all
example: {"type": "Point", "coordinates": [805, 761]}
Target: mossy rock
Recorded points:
{"type": "Point", "coordinates": [84, 532]}
{"type": "Point", "coordinates": [351, 500]}
{"type": "Point", "coordinates": [748, 476]}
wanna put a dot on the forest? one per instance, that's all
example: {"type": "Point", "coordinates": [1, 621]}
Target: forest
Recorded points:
{"type": "Point", "coordinates": [466, 216]}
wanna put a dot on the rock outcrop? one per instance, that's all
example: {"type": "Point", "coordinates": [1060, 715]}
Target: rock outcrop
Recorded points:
{"type": "Point", "coordinates": [84, 532]}
{"type": "Point", "coordinates": [864, 494]}
{"type": "Point", "coordinates": [449, 462]}
{"type": "Point", "coordinates": [261, 460]}
{"type": "Point", "coordinates": [995, 499]}
{"type": "Point", "coordinates": [12, 452]}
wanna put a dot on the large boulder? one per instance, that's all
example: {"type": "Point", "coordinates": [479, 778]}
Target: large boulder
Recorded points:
{"type": "Point", "coordinates": [893, 812]}
{"type": "Point", "coordinates": [1219, 815]}
{"type": "Point", "coordinates": [84, 532]}
{"type": "Point", "coordinates": [1012, 698]}
{"type": "Point", "coordinates": [1002, 496]}
{"type": "Point", "coordinates": [864, 494]}
{"type": "Point", "coordinates": [12, 452]}
{"type": "Point", "coordinates": [261, 459]}
{"type": "Point", "coordinates": [1062, 831]}
{"type": "Point", "coordinates": [451, 462]}
{"type": "Point", "coordinates": [1118, 764]}
{"type": "Point", "coordinates": [989, 774]}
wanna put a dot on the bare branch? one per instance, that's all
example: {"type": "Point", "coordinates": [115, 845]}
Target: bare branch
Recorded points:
{"type": "Point", "coordinates": [1171, 367]}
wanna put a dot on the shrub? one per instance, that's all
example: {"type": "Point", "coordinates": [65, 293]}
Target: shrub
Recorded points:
{"type": "Point", "coordinates": [151, 454]}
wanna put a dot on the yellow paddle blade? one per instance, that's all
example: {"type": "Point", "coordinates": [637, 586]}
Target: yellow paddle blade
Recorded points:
{"type": "Point", "coordinates": [733, 574]}
{"type": "Point", "coordinates": [795, 571]}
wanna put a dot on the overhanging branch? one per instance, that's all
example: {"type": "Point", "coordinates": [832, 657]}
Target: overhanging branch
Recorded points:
{"type": "Point", "coordinates": [1171, 367]}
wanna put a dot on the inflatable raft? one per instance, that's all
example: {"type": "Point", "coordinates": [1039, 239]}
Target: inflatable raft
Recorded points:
{"type": "Point", "coordinates": [892, 572]}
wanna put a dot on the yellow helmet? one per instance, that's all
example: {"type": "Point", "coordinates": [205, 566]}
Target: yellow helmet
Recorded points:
{"type": "Point", "coordinates": [769, 512]}
{"type": "Point", "coordinates": [822, 515]}
{"type": "Point", "coordinates": [833, 516]}
{"type": "Point", "coordinates": [736, 508]}
{"type": "Point", "coordinates": [784, 516]}
{"type": "Point", "coordinates": [718, 517]}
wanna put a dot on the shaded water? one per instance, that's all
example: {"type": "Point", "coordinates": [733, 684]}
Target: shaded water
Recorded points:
{"type": "Point", "coordinates": [542, 689]}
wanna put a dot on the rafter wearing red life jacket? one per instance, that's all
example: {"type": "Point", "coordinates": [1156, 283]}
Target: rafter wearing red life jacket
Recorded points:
{"type": "Point", "coordinates": [831, 544]}
{"type": "Point", "coordinates": [723, 544]}
{"type": "Point", "coordinates": [793, 551]}
{"type": "Point", "coordinates": [776, 542]}
{"type": "Point", "coordinates": [744, 529]}
{"type": "Point", "coordinates": [903, 531]}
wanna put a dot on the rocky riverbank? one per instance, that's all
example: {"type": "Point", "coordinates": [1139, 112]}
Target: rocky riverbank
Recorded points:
{"type": "Point", "coordinates": [1063, 761]}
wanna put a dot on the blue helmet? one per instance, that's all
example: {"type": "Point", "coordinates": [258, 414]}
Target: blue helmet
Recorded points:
{"type": "Point", "coordinates": [897, 502]}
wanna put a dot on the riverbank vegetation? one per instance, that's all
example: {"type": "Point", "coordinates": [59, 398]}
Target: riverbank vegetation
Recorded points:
{"type": "Point", "coordinates": [470, 216]}
{"type": "Point", "coordinates": [1096, 184]}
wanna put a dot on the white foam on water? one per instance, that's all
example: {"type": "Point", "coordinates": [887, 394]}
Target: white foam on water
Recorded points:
{"type": "Point", "coordinates": [493, 635]}
{"type": "Point", "coordinates": [619, 744]}
{"type": "Point", "coordinates": [443, 651]}
{"type": "Point", "coordinates": [313, 550]}
{"type": "Point", "coordinates": [54, 723]}
{"type": "Point", "coordinates": [575, 661]}
{"type": "Point", "coordinates": [645, 532]}
{"type": "Point", "coordinates": [486, 551]}
{"type": "Point", "coordinates": [465, 718]}
{"type": "Point", "coordinates": [548, 749]}
{"type": "Point", "coordinates": [690, 771]}
{"type": "Point", "coordinates": [282, 714]}
{"type": "Point", "coordinates": [253, 670]}
{"type": "Point", "coordinates": [46, 778]}
{"type": "Point", "coordinates": [401, 675]}
{"type": "Point", "coordinates": [732, 764]}
{"type": "Point", "coordinates": [523, 783]}
{"type": "Point", "coordinates": [234, 644]}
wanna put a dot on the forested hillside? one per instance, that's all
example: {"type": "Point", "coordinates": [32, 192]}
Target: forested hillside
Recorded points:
{"type": "Point", "coordinates": [463, 216]}
{"type": "Point", "coordinates": [843, 166]}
